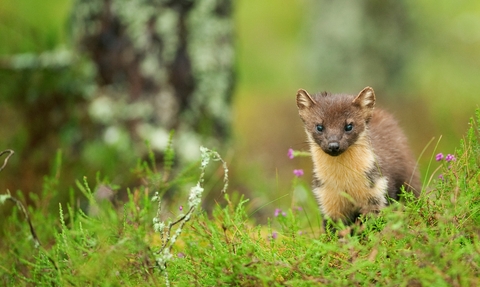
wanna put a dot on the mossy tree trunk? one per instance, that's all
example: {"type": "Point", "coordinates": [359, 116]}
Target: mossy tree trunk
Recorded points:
{"type": "Point", "coordinates": [137, 70]}
{"type": "Point", "coordinates": [161, 65]}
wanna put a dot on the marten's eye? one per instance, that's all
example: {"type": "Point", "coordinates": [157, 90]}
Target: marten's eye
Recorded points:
{"type": "Point", "coordinates": [349, 127]}
{"type": "Point", "coordinates": [319, 128]}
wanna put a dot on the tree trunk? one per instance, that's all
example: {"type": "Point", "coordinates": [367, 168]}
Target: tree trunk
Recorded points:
{"type": "Point", "coordinates": [161, 65]}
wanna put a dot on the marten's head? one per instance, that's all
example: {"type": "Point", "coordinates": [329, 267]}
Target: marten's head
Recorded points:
{"type": "Point", "coordinates": [335, 121]}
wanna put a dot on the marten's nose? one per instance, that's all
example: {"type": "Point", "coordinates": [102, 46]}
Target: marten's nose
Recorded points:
{"type": "Point", "coordinates": [333, 146]}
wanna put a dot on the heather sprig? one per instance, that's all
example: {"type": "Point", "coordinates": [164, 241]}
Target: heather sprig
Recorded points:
{"type": "Point", "coordinates": [295, 153]}
{"type": "Point", "coordinates": [278, 211]}
{"type": "Point", "coordinates": [298, 172]}
{"type": "Point", "coordinates": [448, 158]}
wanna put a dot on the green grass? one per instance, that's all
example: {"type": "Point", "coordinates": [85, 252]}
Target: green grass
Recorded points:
{"type": "Point", "coordinates": [432, 241]}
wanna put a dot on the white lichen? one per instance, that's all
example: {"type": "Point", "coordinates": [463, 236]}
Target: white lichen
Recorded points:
{"type": "Point", "coordinates": [195, 196]}
{"type": "Point", "coordinates": [194, 200]}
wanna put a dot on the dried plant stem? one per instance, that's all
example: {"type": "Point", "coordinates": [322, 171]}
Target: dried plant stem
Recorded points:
{"type": "Point", "coordinates": [27, 218]}
{"type": "Point", "coordinates": [10, 153]}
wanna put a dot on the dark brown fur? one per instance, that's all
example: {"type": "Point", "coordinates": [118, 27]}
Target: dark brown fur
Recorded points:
{"type": "Point", "coordinates": [394, 157]}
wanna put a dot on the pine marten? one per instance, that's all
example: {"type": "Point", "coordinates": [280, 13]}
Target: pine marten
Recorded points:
{"type": "Point", "coordinates": [360, 154]}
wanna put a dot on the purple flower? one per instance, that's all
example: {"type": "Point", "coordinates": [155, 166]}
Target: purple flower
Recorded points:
{"type": "Point", "coordinates": [290, 153]}
{"type": "Point", "coordinates": [180, 208]}
{"type": "Point", "coordinates": [450, 157]}
{"type": "Point", "coordinates": [180, 255]}
{"type": "Point", "coordinates": [441, 177]}
{"type": "Point", "coordinates": [277, 212]}
{"type": "Point", "coordinates": [274, 235]}
{"type": "Point", "coordinates": [298, 172]}
{"type": "Point", "coordinates": [439, 157]}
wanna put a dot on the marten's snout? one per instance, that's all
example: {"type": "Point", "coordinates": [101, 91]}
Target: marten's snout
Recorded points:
{"type": "Point", "coordinates": [333, 148]}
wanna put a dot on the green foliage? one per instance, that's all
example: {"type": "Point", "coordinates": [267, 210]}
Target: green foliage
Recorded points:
{"type": "Point", "coordinates": [31, 26]}
{"type": "Point", "coordinates": [433, 241]}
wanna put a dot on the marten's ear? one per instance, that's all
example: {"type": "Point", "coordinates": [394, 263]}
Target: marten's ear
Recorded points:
{"type": "Point", "coordinates": [365, 99]}
{"type": "Point", "coordinates": [304, 100]}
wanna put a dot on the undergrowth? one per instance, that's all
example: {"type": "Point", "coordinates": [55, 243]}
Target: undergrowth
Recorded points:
{"type": "Point", "coordinates": [432, 241]}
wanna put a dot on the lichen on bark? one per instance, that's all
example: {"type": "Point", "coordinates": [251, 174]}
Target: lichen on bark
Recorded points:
{"type": "Point", "coordinates": [174, 58]}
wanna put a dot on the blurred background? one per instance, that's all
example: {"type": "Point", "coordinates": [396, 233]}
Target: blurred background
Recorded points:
{"type": "Point", "coordinates": [98, 79]}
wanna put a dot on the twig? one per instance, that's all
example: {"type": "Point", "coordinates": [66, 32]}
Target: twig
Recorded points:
{"type": "Point", "coordinates": [27, 218]}
{"type": "Point", "coordinates": [10, 153]}
{"type": "Point", "coordinates": [182, 220]}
